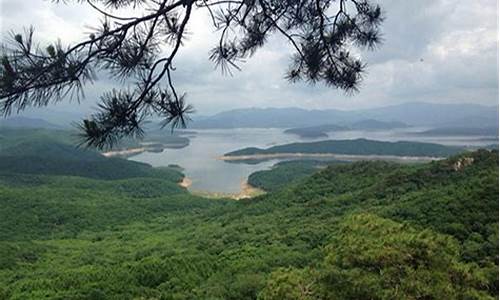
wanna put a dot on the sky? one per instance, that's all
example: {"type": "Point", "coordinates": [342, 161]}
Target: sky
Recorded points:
{"type": "Point", "coordinates": [440, 51]}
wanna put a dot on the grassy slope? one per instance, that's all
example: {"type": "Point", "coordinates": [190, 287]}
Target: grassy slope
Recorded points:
{"type": "Point", "coordinates": [63, 239]}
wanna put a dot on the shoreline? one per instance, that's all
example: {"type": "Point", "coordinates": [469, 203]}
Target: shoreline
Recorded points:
{"type": "Point", "coordinates": [347, 157]}
{"type": "Point", "coordinates": [186, 182]}
{"type": "Point", "coordinates": [124, 153]}
{"type": "Point", "coordinates": [247, 191]}
{"type": "Point", "coordinates": [146, 147]}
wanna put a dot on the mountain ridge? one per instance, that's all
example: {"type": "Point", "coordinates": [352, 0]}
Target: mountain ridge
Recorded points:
{"type": "Point", "coordinates": [413, 113]}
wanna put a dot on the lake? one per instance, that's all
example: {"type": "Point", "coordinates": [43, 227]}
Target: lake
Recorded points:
{"type": "Point", "coordinates": [209, 174]}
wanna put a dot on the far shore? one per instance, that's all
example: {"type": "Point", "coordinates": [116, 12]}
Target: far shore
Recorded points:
{"type": "Point", "coordinates": [124, 153]}
{"type": "Point", "coordinates": [147, 147]}
{"type": "Point", "coordinates": [346, 157]}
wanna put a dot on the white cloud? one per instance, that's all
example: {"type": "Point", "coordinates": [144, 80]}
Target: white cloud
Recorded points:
{"type": "Point", "coordinates": [434, 50]}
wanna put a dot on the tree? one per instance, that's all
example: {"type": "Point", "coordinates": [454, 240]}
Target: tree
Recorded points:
{"type": "Point", "coordinates": [375, 258]}
{"type": "Point", "coordinates": [289, 284]}
{"type": "Point", "coordinates": [142, 48]}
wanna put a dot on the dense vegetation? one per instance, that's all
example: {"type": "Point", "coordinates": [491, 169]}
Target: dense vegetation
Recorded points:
{"type": "Point", "coordinates": [285, 173]}
{"type": "Point", "coordinates": [356, 147]}
{"type": "Point", "coordinates": [367, 230]}
{"type": "Point", "coordinates": [47, 152]}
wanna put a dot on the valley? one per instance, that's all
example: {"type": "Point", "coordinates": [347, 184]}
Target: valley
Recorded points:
{"type": "Point", "coordinates": [181, 223]}
{"type": "Point", "coordinates": [249, 150]}
{"type": "Point", "coordinates": [89, 227]}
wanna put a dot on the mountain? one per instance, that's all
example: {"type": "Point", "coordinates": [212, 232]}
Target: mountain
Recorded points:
{"type": "Point", "coordinates": [46, 152]}
{"type": "Point", "coordinates": [371, 124]}
{"type": "Point", "coordinates": [437, 114]}
{"type": "Point", "coordinates": [460, 131]}
{"type": "Point", "coordinates": [419, 114]}
{"type": "Point", "coordinates": [262, 118]}
{"type": "Point", "coordinates": [25, 122]}
{"type": "Point", "coordinates": [321, 131]}
{"type": "Point", "coordinates": [55, 115]}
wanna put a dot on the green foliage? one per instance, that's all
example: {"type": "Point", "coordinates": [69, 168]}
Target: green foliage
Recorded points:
{"type": "Point", "coordinates": [49, 152]}
{"type": "Point", "coordinates": [356, 147]}
{"type": "Point", "coordinates": [285, 173]}
{"type": "Point", "coordinates": [288, 284]}
{"type": "Point", "coordinates": [367, 230]}
{"type": "Point", "coordinates": [374, 258]}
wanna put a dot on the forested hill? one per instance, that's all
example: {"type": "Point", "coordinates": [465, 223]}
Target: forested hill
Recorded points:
{"type": "Point", "coordinates": [355, 147]}
{"type": "Point", "coordinates": [367, 230]}
{"type": "Point", "coordinates": [54, 152]}
{"type": "Point", "coordinates": [416, 114]}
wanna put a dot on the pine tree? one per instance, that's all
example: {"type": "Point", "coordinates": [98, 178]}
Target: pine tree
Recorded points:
{"type": "Point", "coordinates": [142, 49]}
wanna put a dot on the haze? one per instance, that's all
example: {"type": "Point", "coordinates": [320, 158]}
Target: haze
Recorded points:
{"type": "Point", "coordinates": [433, 51]}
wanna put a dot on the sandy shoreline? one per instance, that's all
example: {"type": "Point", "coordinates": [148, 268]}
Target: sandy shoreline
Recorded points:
{"type": "Point", "coordinates": [247, 191]}
{"type": "Point", "coordinates": [186, 182]}
{"type": "Point", "coordinates": [126, 152]}
{"type": "Point", "coordinates": [347, 157]}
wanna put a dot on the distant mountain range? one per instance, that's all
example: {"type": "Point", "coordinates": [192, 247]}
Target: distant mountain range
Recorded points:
{"type": "Point", "coordinates": [24, 122]}
{"type": "Point", "coordinates": [323, 130]}
{"type": "Point", "coordinates": [417, 114]}
{"type": "Point", "coordinates": [371, 124]}
{"type": "Point", "coordinates": [413, 114]}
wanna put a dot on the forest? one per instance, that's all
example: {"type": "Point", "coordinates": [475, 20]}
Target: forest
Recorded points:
{"type": "Point", "coordinates": [364, 230]}
{"type": "Point", "coordinates": [249, 150]}
{"type": "Point", "coordinates": [356, 147]}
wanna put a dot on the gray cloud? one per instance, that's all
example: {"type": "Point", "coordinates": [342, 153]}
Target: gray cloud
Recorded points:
{"type": "Point", "coordinates": [434, 51]}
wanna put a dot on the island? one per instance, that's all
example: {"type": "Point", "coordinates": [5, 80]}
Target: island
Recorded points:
{"type": "Point", "coordinates": [315, 131]}
{"type": "Point", "coordinates": [347, 149]}
{"type": "Point", "coordinates": [460, 131]}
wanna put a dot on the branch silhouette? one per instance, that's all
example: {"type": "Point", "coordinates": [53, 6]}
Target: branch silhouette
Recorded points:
{"type": "Point", "coordinates": [142, 49]}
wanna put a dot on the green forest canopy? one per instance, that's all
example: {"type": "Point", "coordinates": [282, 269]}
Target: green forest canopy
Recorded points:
{"type": "Point", "coordinates": [374, 230]}
{"type": "Point", "coordinates": [356, 147]}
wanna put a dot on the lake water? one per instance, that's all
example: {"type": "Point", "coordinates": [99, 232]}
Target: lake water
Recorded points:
{"type": "Point", "coordinates": [209, 174]}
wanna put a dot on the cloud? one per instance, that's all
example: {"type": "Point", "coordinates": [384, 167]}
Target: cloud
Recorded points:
{"type": "Point", "coordinates": [434, 50]}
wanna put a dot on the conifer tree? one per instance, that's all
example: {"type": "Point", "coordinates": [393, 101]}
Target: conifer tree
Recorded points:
{"type": "Point", "coordinates": [142, 49]}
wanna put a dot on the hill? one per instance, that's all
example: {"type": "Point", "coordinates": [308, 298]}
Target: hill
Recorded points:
{"type": "Point", "coordinates": [367, 230]}
{"type": "Point", "coordinates": [352, 147]}
{"type": "Point", "coordinates": [461, 131]}
{"type": "Point", "coordinates": [417, 114]}
{"type": "Point", "coordinates": [24, 122]}
{"type": "Point", "coordinates": [323, 130]}
{"type": "Point", "coordinates": [315, 131]}
{"type": "Point", "coordinates": [48, 152]}
{"type": "Point", "coordinates": [286, 173]}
